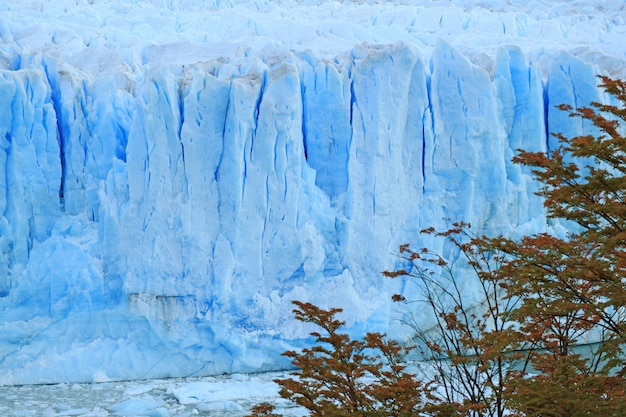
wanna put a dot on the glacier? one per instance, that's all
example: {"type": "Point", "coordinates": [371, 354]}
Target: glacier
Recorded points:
{"type": "Point", "coordinates": [163, 198]}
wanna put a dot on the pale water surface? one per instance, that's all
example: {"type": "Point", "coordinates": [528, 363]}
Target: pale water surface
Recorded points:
{"type": "Point", "coordinates": [230, 395]}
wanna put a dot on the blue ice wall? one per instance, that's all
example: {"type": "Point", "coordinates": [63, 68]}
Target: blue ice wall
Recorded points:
{"type": "Point", "coordinates": [159, 223]}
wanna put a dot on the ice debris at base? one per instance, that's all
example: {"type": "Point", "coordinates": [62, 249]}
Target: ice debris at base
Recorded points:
{"type": "Point", "coordinates": [224, 396]}
{"type": "Point", "coordinates": [175, 173]}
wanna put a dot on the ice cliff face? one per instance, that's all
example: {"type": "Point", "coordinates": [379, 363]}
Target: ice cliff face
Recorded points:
{"type": "Point", "coordinates": [160, 224]}
{"type": "Point", "coordinates": [163, 229]}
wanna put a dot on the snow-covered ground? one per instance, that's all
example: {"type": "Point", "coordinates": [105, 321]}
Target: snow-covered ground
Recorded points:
{"type": "Point", "coordinates": [211, 396]}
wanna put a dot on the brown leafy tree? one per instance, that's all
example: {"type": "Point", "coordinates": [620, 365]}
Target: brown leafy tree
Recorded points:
{"type": "Point", "coordinates": [473, 344]}
{"type": "Point", "coordinates": [568, 295]}
{"type": "Point", "coordinates": [572, 290]}
{"type": "Point", "coordinates": [263, 410]}
{"type": "Point", "coordinates": [352, 377]}
{"type": "Point", "coordinates": [341, 376]}
{"type": "Point", "coordinates": [564, 387]}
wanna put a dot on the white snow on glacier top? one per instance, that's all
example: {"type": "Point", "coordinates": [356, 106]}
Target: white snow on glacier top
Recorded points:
{"type": "Point", "coordinates": [123, 35]}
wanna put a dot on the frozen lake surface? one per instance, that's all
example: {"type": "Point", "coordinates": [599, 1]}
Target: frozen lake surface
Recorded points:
{"type": "Point", "coordinates": [231, 395]}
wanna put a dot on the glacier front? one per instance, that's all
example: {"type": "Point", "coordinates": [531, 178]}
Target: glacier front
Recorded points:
{"type": "Point", "coordinates": [163, 198]}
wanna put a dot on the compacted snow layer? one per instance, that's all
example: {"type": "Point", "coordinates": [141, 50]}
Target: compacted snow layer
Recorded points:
{"type": "Point", "coordinates": [174, 173]}
{"type": "Point", "coordinates": [98, 36]}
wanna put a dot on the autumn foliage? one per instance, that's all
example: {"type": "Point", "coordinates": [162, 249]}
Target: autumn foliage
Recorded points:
{"type": "Point", "coordinates": [340, 376]}
{"type": "Point", "coordinates": [471, 349]}
{"type": "Point", "coordinates": [548, 338]}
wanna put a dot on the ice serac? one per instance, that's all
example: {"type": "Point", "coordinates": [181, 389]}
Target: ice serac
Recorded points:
{"type": "Point", "coordinates": [521, 111]}
{"type": "Point", "coordinates": [390, 124]}
{"type": "Point", "coordinates": [159, 223]}
{"type": "Point", "coordinates": [466, 160]}
{"type": "Point", "coordinates": [327, 131]}
{"type": "Point", "coordinates": [155, 168]}
{"type": "Point", "coordinates": [31, 180]}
